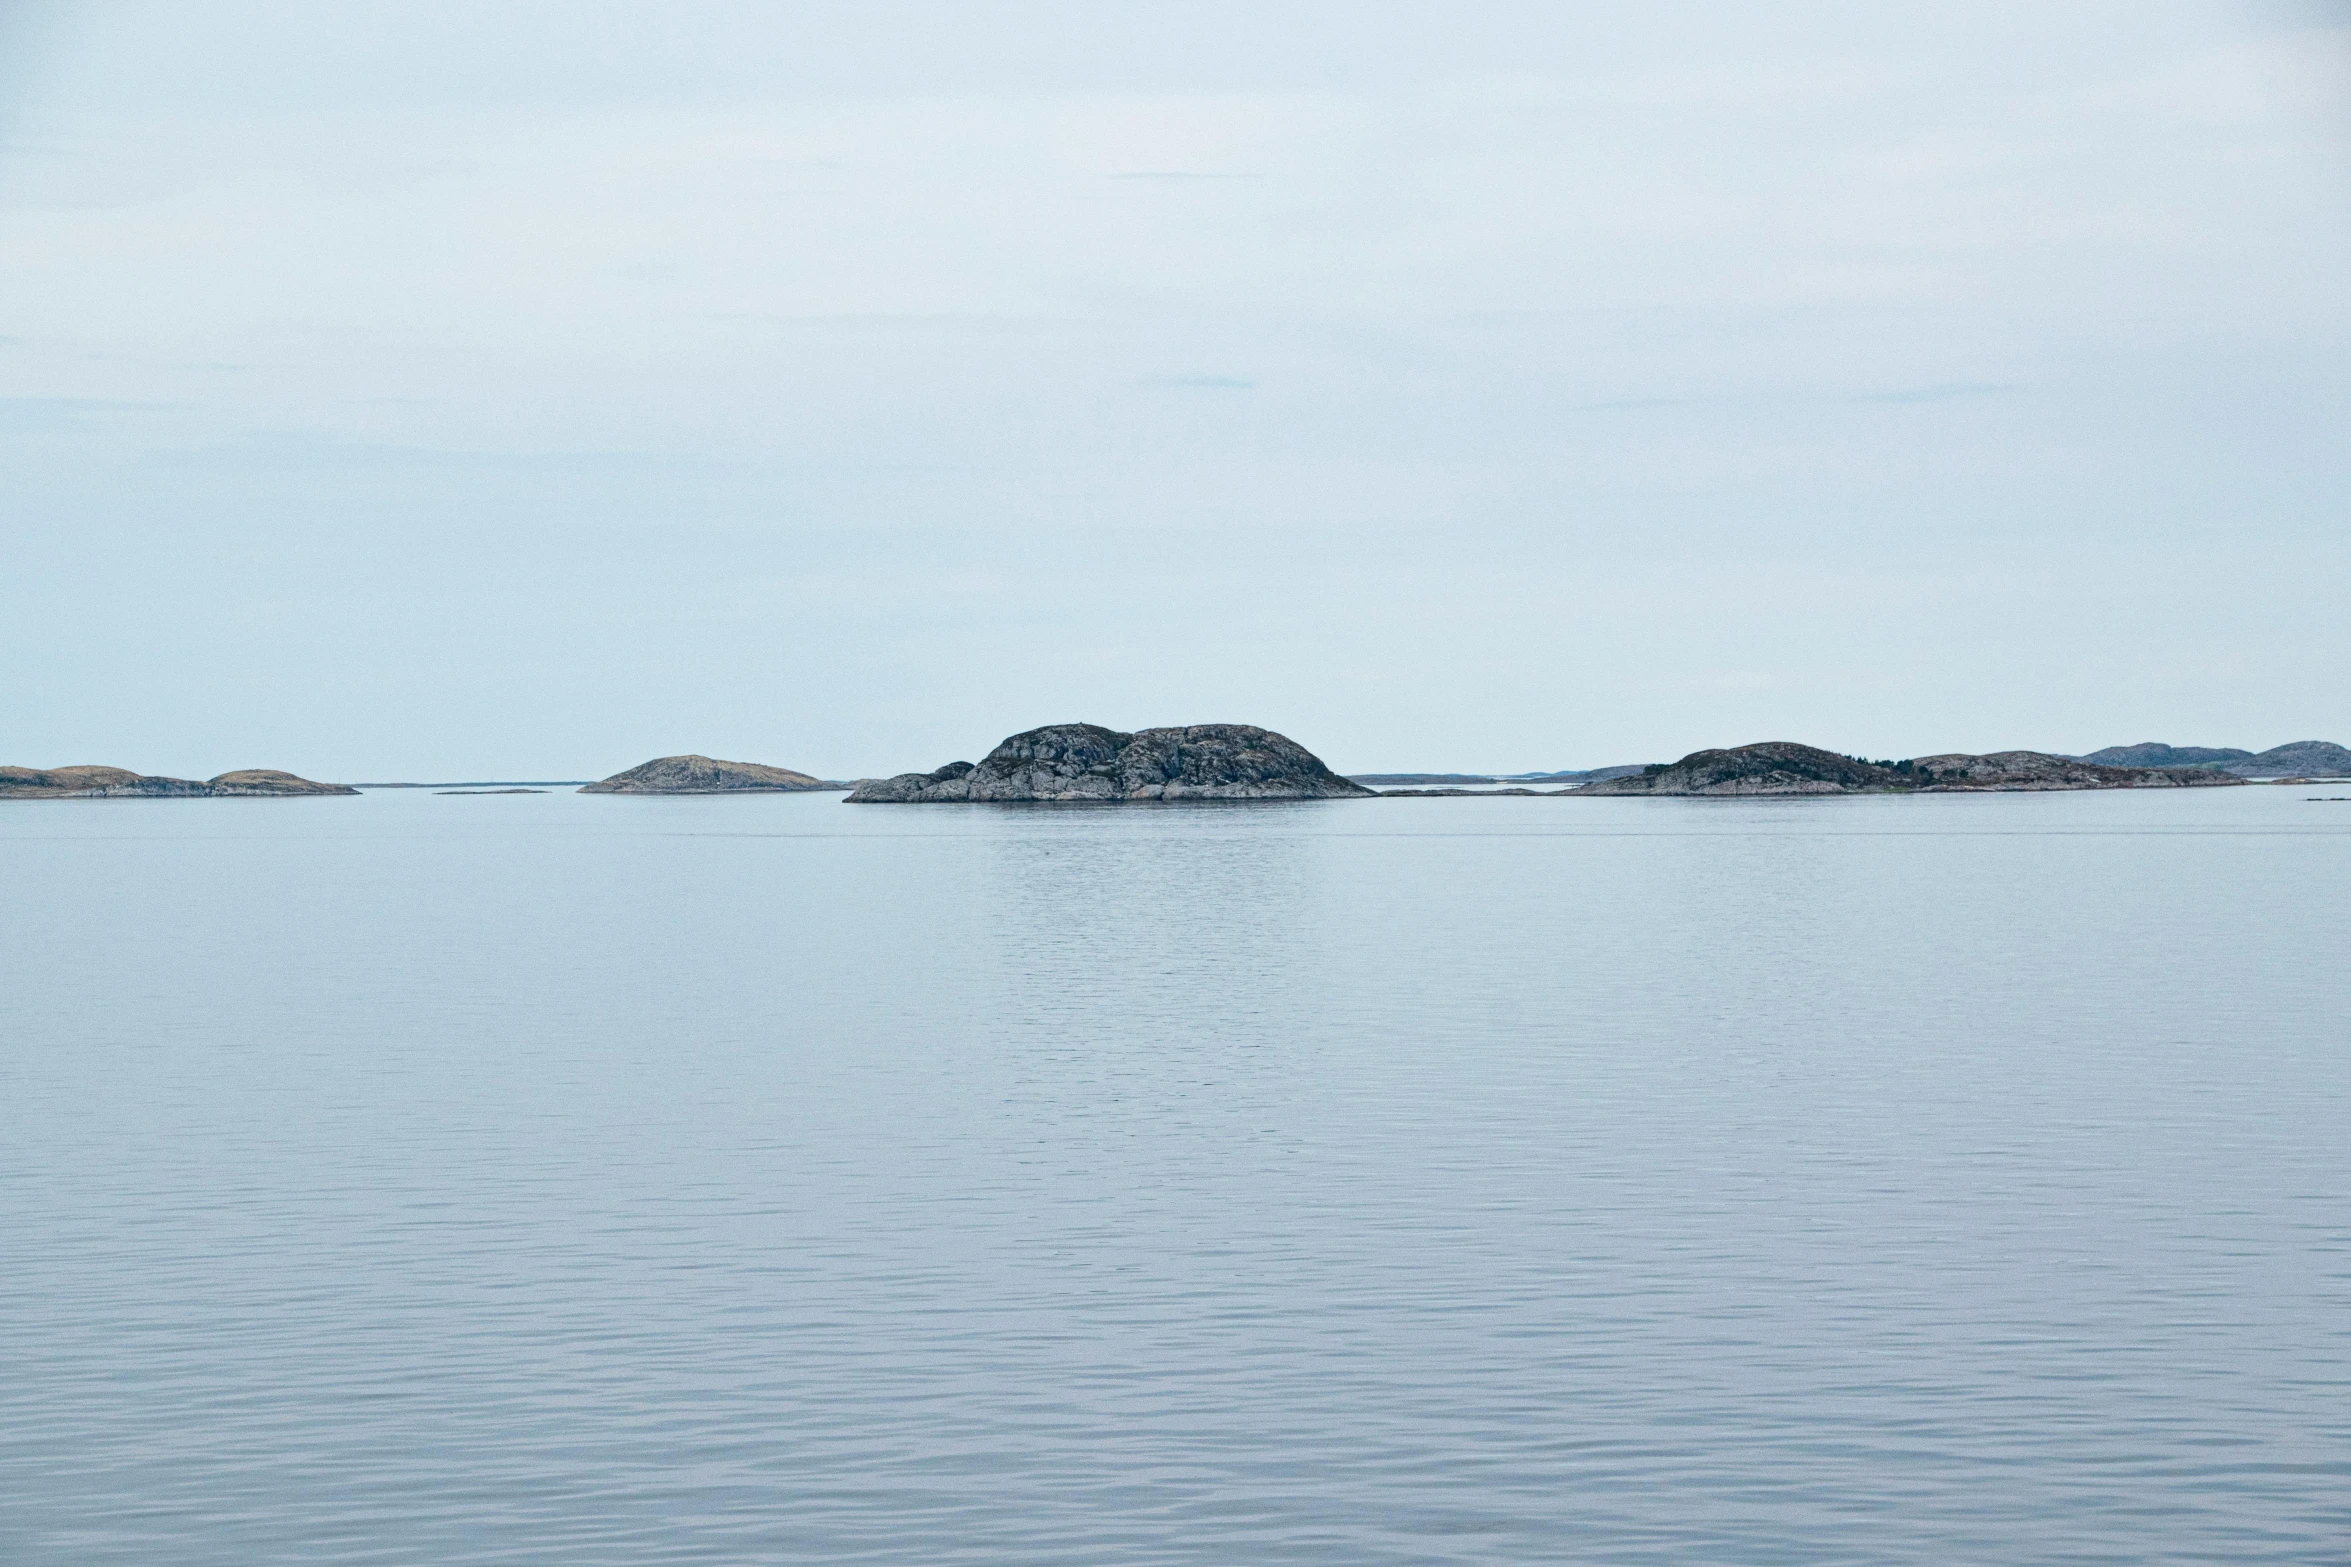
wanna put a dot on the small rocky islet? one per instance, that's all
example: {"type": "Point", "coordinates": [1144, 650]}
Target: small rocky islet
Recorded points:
{"type": "Point", "coordinates": [120, 783]}
{"type": "Point", "coordinates": [1081, 763]}
{"type": "Point", "coordinates": [708, 775]}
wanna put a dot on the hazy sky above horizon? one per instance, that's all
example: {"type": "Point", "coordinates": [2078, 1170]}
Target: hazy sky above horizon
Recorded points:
{"type": "Point", "coordinates": [447, 390]}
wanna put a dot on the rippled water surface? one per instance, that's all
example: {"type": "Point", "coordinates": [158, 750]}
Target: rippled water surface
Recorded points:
{"type": "Point", "coordinates": [574, 1179]}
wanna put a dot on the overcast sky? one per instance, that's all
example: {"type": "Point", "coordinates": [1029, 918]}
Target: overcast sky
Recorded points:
{"type": "Point", "coordinates": [462, 390]}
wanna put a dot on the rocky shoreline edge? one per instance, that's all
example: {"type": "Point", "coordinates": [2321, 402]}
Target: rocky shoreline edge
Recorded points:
{"type": "Point", "coordinates": [119, 783]}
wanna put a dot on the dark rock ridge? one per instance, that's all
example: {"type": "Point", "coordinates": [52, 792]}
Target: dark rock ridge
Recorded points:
{"type": "Point", "coordinates": [1088, 762]}
{"type": "Point", "coordinates": [705, 775]}
{"type": "Point", "coordinates": [1781, 767]}
{"type": "Point", "coordinates": [116, 783]}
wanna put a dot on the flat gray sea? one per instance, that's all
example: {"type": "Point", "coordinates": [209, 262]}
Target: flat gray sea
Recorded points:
{"type": "Point", "coordinates": [579, 1180]}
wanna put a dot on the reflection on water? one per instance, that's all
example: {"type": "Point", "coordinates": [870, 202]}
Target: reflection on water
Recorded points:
{"type": "Point", "coordinates": [595, 1179]}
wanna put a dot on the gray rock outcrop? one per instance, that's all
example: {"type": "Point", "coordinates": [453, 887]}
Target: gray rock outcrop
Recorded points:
{"type": "Point", "coordinates": [1080, 762]}
{"type": "Point", "coordinates": [116, 783]}
{"type": "Point", "coordinates": [705, 775]}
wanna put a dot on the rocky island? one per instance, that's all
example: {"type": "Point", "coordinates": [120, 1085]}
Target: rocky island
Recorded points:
{"type": "Point", "coordinates": [2033, 770]}
{"type": "Point", "coordinates": [2295, 759]}
{"type": "Point", "coordinates": [1782, 767]}
{"type": "Point", "coordinates": [1774, 767]}
{"type": "Point", "coordinates": [116, 783]}
{"type": "Point", "coordinates": [2155, 753]}
{"type": "Point", "coordinates": [706, 775]}
{"type": "Point", "coordinates": [2299, 759]}
{"type": "Point", "coordinates": [1082, 762]}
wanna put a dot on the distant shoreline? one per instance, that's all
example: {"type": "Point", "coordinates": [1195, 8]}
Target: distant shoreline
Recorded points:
{"type": "Point", "coordinates": [480, 783]}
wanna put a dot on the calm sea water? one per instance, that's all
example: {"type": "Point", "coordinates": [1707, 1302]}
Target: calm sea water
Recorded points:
{"type": "Point", "coordinates": [563, 1179]}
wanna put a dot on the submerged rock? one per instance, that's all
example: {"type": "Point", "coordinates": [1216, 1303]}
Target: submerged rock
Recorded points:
{"type": "Point", "coordinates": [705, 775]}
{"type": "Point", "coordinates": [1075, 762]}
{"type": "Point", "coordinates": [116, 783]}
